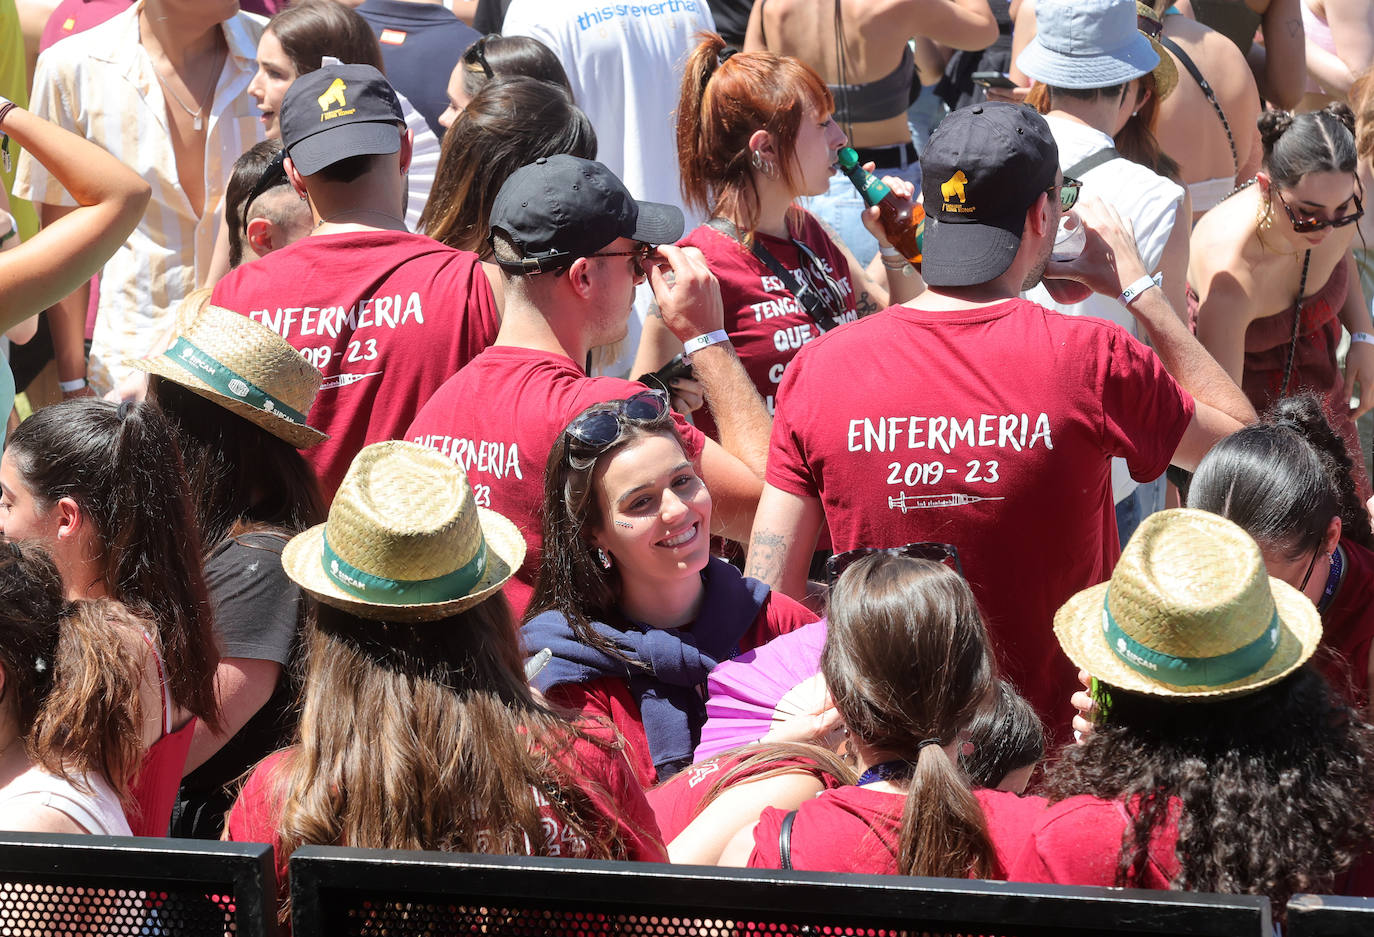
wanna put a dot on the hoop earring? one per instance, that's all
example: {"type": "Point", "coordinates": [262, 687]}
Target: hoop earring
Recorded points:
{"type": "Point", "coordinates": [603, 558]}
{"type": "Point", "coordinates": [1265, 218]}
{"type": "Point", "coordinates": [762, 165]}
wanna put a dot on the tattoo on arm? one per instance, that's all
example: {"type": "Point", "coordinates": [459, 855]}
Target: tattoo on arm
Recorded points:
{"type": "Point", "coordinates": [865, 304]}
{"type": "Point", "coordinates": [767, 557]}
{"type": "Point", "coordinates": [1294, 27]}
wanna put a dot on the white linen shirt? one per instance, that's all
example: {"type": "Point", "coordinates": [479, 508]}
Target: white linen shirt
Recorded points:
{"type": "Point", "coordinates": [101, 84]}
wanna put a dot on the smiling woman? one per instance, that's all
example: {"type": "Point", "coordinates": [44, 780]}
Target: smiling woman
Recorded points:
{"type": "Point", "coordinates": [629, 599]}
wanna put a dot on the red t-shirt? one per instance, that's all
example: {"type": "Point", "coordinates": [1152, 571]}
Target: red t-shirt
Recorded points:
{"type": "Point", "coordinates": [1348, 626]}
{"type": "Point", "coordinates": [499, 418]}
{"type": "Point", "coordinates": [255, 814]}
{"type": "Point", "coordinates": [765, 322]}
{"type": "Point", "coordinates": [677, 801]}
{"type": "Point", "coordinates": [388, 316]}
{"type": "Point", "coordinates": [609, 698]}
{"type": "Point", "coordinates": [990, 429]}
{"type": "Point", "coordinates": [856, 829]}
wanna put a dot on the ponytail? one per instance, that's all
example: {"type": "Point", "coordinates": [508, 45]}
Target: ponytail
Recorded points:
{"type": "Point", "coordinates": [726, 97]}
{"type": "Point", "coordinates": [1304, 415]}
{"type": "Point", "coordinates": [90, 721]}
{"type": "Point", "coordinates": [1283, 479]}
{"type": "Point", "coordinates": [943, 832]}
{"type": "Point", "coordinates": [897, 622]}
{"type": "Point", "coordinates": [121, 465]}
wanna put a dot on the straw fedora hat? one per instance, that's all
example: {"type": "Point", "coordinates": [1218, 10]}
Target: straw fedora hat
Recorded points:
{"type": "Point", "coordinates": [242, 366]}
{"type": "Point", "coordinates": [1166, 72]}
{"type": "Point", "coordinates": [1189, 612]}
{"type": "Point", "coordinates": [405, 541]}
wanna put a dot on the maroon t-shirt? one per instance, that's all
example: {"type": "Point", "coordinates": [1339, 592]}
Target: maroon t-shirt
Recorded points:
{"type": "Point", "coordinates": [857, 829]}
{"type": "Point", "coordinates": [1348, 626]}
{"type": "Point", "coordinates": [765, 322]}
{"type": "Point", "coordinates": [499, 418]}
{"type": "Point", "coordinates": [388, 316]}
{"type": "Point", "coordinates": [991, 429]}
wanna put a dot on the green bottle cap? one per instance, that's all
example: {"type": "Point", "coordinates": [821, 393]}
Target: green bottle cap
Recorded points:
{"type": "Point", "coordinates": [848, 158]}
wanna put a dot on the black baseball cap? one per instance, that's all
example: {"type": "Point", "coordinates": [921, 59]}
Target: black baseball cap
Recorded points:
{"type": "Point", "coordinates": [560, 208]}
{"type": "Point", "coordinates": [980, 171]}
{"type": "Point", "coordinates": [339, 111]}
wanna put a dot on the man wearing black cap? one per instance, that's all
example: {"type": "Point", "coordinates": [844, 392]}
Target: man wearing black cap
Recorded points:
{"type": "Point", "coordinates": [572, 245]}
{"type": "Point", "coordinates": [972, 417]}
{"type": "Point", "coordinates": [387, 315]}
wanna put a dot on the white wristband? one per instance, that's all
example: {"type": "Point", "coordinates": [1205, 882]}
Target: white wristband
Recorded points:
{"type": "Point", "coordinates": [1130, 293]}
{"type": "Point", "coordinates": [1362, 337]}
{"type": "Point", "coordinates": [68, 387]}
{"type": "Point", "coordinates": [694, 345]}
{"type": "Point", "coordinates": [890, 251]}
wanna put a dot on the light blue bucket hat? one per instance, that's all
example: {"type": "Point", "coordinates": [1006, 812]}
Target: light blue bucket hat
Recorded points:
{"type": "Point", "coordinates": [1087, 44]}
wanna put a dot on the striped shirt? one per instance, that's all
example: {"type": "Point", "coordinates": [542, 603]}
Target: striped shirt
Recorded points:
{"type": "Point", "coordinates": [101, 85]}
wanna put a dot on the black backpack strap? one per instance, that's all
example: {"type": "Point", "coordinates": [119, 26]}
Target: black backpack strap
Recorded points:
{"type": "Point", "coordinates": [1104, 155]}
{"type": "Point", "coordinates": [785, 841]}
{"type": "Point", "coordinates": [1207, 91]}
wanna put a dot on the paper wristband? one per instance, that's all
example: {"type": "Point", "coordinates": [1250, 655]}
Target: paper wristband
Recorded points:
{"type": "Point", "coordinates": [1190, 671]}
{"type": "Point", "coordinates": [71, 386]}
{"type": "Point", "coordinates": [194, 360]}
{"type": "Point", "coordinates": [1130, 293]}
{"type": "Point", "coordinates": [693, 345]}
{"type": "Point", "coordinates": [384, 591]}
{"type": "Point", "coordinates": [1362, 337]}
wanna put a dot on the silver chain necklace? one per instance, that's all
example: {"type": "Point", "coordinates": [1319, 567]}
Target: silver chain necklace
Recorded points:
{"type": "Point", "coordinates": [197, 122]}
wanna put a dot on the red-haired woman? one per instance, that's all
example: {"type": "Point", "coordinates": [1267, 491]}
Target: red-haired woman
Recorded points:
{"type": "Point", "coordinates": [756, 131]}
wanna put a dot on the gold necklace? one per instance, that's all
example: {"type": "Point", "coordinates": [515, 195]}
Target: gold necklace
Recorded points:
{"type": "Point", "coordinates": [197, 123]}
{"type": "Point", "coordinates": [334, 219]}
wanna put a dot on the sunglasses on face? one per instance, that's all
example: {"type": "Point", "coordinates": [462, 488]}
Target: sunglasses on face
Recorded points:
{"type": "Point", "coordinates": [1308, 225]}
{"type": "Point", "coordinates": [641, 255]}
{"type": "Point", "coordinates": [1068, 192]}
{"type": "Point", "coordinates": [923, 550]}
{"type": "Point", "coordinates": [597, 429]}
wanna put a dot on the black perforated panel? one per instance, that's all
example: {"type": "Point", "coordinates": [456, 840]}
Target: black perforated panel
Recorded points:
{"type": "Point", "coordinates": [37, 909]}
{"type": "Point", "coordinates": [364, 916]}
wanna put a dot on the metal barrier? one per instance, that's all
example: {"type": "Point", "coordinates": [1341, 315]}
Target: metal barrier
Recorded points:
{"type": "Point", "coordinates": [337, 892]}
{"type": "Point", "coordinates": [54, 883]}
{"type": "Point", "coordinates": [1330, 916]}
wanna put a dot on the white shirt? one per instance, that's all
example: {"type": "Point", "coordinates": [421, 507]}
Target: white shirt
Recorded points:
{"type": "Point", "coordinates": [101, 84]}
{"type": "Point", "coordinates": [625, 63]}
{"type": "Point", "coordinates": [1148, 200]}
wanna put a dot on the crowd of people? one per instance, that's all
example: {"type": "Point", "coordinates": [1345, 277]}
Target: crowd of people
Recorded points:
{"type": "Point", "coordinates": [534, 443]}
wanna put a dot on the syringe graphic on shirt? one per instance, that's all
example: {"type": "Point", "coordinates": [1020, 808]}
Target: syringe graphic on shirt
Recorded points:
{"type": "Point", "coordinates": [906, 502]}
{"type": "Point", "coordinates": [343, 379]}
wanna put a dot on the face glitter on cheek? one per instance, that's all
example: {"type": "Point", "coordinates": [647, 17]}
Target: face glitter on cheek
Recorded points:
{"type": "Point", "coordinates": [625, 524]}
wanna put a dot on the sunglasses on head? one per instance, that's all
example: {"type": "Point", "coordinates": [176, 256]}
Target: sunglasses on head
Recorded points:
{"type": "Point", "coordinates": [599, 428]}
{"type": "Point", "coordinates": [477, 55]}
{"type": "Point", "coordinates": [923, 550]}
{"type": "Point", "coordinates": [1308, 225]}
{"type": "Point", "coordinates": [273, 175]}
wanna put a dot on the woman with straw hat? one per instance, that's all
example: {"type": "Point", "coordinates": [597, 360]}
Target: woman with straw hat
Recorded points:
{"type": "Point", "coordinates": [236, 395]}
{"type": "Point", "coordinates": [1220, 761]}
{"type": "Point", "coordinates": [444, 745]}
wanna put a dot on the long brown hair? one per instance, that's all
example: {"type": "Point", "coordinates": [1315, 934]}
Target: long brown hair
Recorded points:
{"type": "Point", "coordinates": [510, 123]}
{"type": "Point", "coordinates": [444, 745]}
{"type": "Point", "coordinates": [721, 105]}
{"type": "Point", "coordinates": [907, 661]}
{"type": "Point", "coordinates": [120, 463]}
{"type": "Point", "coordinates": [72, 672]}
